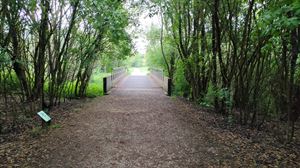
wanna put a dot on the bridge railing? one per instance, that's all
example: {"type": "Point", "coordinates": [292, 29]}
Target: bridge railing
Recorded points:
{"type": "Point", "coordinates": [110, 81]}
{"type": "Point", "coordinates": [164, 81]}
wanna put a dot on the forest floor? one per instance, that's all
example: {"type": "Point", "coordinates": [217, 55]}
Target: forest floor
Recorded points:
{"type": "Point", "coordinates": [138, 126]}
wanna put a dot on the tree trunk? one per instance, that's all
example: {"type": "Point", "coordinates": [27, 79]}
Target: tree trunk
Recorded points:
{"type": "Point", "coordinates": [40, 55]}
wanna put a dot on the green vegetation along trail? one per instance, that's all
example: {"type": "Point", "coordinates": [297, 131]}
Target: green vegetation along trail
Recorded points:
{"type": "Point", "coordinates": [138, 126]}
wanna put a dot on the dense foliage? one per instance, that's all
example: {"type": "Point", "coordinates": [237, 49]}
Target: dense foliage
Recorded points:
{"type": "Point", "coordinates": [50, 48]}
{"type": "Point", "coordinates": [240, 57]}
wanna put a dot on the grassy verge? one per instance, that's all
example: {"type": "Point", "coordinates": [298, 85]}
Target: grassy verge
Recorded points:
{"type": "Point", "coordinates": [95, 87]}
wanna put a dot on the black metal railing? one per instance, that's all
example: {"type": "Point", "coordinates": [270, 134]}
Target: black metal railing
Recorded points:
{"type": "Point", "coordinates": [163, 81]}
{"type": "Point", "coordinates": [110, 81]}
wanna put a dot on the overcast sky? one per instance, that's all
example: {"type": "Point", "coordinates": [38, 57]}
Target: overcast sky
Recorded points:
{"type": "Point", "coordinates": [140, 42]}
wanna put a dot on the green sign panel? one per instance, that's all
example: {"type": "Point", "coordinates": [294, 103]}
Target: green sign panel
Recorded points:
{"type": "Point", "coordinates": [44, 116]}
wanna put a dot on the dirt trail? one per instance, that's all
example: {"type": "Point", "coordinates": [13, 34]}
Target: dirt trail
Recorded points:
{"type": "Point", "coordinates": [135, 126]}
{"type": "Point", "coordinates": [138, 126]}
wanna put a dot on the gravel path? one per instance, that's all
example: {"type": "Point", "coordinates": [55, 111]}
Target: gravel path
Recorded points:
{"type": "Point", "coordinates": [137, 126]}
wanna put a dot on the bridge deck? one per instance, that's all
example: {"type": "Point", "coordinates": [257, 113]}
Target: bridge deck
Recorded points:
{"type": "Point", "coordinates": [137, 82]}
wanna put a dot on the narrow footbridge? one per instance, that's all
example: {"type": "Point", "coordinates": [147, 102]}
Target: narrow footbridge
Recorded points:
{"type": "Point", "coordinates": [119, 80]}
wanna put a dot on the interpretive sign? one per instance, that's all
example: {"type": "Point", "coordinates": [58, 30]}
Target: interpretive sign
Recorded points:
{"type": "Point", "coordinates": [44, 116]}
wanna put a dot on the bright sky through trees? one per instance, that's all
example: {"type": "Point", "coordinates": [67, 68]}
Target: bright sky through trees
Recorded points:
{"type": "Point", "coordinates": [141, 42]}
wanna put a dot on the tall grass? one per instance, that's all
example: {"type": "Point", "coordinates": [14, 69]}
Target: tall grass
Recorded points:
{"type": "Point", "coordinates": [95, 87]}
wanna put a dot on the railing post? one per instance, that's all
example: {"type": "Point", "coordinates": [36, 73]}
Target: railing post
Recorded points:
{"type": "Point", "coordinates": [165, 82]}
{"type": "Point", "coordinates": [169, 91]}
{"type": "Point", "coordinates": [110, 81]}
{"type": "Point", "coordinates": [105, 86]}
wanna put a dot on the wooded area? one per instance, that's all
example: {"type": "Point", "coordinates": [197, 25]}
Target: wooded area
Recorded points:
{"type": "Point", "coordinates": [232, 66]}
{"type": "Point", "coordinates": [240, 57]}
{"type": "Point", "coordinates": [49, 50]}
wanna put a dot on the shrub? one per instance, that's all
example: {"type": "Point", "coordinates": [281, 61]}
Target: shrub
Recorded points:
{"type": "Point", "coordinates": [181, 86]}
